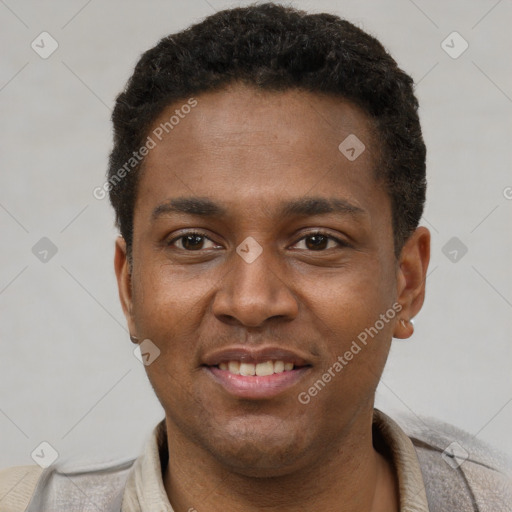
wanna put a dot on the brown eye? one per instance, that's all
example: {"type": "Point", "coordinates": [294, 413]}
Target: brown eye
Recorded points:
{"type": "Point", "coordinates": [315, 242]}
{"type": "Point", "coordinates": [319, 242]}
{"type": "Point", "coordinates": [192, 242]}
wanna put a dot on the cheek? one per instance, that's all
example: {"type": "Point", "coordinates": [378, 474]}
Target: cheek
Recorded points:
{"type": "Point", "coordinates": [165, 298]}
{"type": "Point", "coordinates": [353, 313]}
{"type": "Point", "coordinates": [164, 308]}
{"type": "Point", "coordinates": [352, 298]}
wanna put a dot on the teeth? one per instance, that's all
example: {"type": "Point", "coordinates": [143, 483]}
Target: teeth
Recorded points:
{"type": "Point", "coordinates": [263, 369]}
{"type": "Point", "coordinates": [234, 367]}
{"type": "Point", "coordinates": [247, 369]}
{"type": "Point", "coordinates": [279, 366]}
{"type": "Point", "coordinates": [260, 369]}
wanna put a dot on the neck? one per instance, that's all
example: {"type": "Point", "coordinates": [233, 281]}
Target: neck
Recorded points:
{"type": "Point", "coordinates": [352, 476]}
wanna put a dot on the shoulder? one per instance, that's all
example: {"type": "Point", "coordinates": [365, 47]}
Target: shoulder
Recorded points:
{"type": "Point", "coordinates": [17, 485]}
{"type": "Point", "coordinates": [458, 468]}
{"type": "Point", "coordinates": [88, 485]}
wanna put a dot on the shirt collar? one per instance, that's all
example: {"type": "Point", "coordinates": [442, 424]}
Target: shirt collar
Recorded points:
{"type": "Point", "coordinates": [145, 491]}
{"type": "Point", "coordinates": [403, 454]}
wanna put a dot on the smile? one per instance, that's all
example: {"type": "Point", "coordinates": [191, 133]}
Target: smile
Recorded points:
{"type": "Point", "coordinates": [261, 369]}
{"type": "Point", "coordinates": [256, 373]}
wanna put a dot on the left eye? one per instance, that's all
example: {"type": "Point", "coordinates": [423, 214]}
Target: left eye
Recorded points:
{"type": "Point", "coordinates": [192, 242]}
{"type": "Point", "coordinates": [319, 242]}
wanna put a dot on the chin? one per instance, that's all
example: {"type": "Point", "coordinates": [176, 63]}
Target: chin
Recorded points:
{"type": "Point", "coordinates": [258, 462]}
{"type": "Point", "coordinates": [259, 454]}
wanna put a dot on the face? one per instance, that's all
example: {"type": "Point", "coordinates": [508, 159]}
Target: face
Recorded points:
{"type": "Point", "coordinates": [260, 247]}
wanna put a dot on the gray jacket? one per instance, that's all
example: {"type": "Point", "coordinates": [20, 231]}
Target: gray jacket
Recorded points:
{"type": "Point", "coordinates": [460, 474]}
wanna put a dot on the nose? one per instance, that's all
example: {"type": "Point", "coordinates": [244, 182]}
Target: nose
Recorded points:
{"type": "Point", "coordinates": [253, 292]}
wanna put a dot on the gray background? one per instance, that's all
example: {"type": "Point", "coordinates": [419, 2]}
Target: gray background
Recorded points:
{"type": "Point", "coordinates": [67, 369]}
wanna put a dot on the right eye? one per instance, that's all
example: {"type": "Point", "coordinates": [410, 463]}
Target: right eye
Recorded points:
{"type": "Point", "coordinates": [191, 241]}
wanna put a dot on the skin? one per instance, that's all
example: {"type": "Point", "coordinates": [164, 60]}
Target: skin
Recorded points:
{"type": "Point", "coordinates": [250, 151]}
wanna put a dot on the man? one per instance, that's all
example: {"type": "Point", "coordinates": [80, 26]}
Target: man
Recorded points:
{"type": "Point", "coordinates": [268, 179]}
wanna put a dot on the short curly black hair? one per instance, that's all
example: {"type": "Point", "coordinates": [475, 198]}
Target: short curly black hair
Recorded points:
{"type": "Point", "coordinates": [276, 48]}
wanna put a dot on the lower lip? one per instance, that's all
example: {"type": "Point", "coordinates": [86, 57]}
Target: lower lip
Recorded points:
{"type": "Point", "coordinates": [256, 387]}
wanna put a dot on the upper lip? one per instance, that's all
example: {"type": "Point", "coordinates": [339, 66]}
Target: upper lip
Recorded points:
{"type": "Point", "coordinates": [254, 355]}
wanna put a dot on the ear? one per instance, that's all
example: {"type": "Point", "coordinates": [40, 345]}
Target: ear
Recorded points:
{"type": "Point", "coordinates": [411, 276]}
{"type": "Point", "coordinates": [124, 282]}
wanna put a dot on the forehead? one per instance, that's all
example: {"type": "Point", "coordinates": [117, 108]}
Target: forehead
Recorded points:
{"type": "Point", "coordinates": [249, 115]}
{"type": "Point", "coordinates": [256, 147]}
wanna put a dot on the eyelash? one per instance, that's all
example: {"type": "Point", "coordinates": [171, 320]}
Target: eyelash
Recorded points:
{"type": "Point", "coordinates": [340, 243]}
{"type": "Point", "coordinates": [188, 233]}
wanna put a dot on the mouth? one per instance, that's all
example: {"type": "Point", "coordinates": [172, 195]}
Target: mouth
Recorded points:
{"type": "Point", "coordinates": [264, 373]}
{"type": "Point", "coordinates": [260, 369]}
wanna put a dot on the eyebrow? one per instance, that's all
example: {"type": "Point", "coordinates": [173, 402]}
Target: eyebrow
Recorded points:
{"type": "Point", "coordinates": [191, 205]}
{"type": "Point", "coordinates": [310, 206]}
{"type": "Point", "coordinates": [307, 206]}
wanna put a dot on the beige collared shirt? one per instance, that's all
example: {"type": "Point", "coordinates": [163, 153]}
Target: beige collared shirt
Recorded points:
{"type": "Point", "coordinates": [145, 490]}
